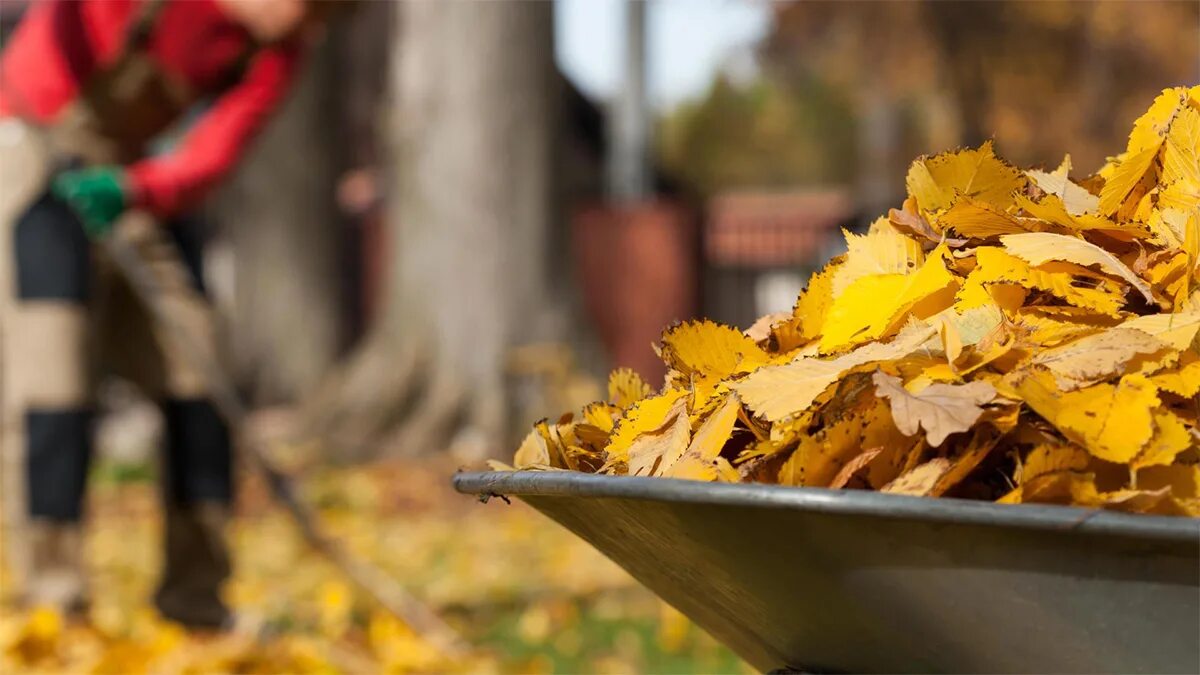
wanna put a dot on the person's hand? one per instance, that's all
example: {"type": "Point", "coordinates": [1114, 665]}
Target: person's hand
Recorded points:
{"type": "Point", "coordinates": [97, 195]}
{"type": "Point", "coordinates": [267, 20]}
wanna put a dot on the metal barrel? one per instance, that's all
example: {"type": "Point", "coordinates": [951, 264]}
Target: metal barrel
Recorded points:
{"type": "Point", "coordinates": [821, 580]}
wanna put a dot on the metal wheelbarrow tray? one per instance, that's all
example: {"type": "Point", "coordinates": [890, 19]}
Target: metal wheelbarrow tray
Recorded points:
{"type": "Point", "coordinates": [823, 580]}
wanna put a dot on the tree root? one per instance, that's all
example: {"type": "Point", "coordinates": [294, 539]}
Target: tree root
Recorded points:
{"type": "Point", "coordinates": [432, 422]}
{"type": "Point", "coordinates": [360, 400]}
{"type": "Point", "coordinates": [391, 398]}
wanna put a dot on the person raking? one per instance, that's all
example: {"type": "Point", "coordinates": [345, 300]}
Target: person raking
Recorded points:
{"type": "Point", "coordinates": [86, 86]}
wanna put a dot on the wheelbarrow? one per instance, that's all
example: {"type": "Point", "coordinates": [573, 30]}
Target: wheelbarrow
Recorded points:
{"type": "Point", "coordinates": [818, 580]}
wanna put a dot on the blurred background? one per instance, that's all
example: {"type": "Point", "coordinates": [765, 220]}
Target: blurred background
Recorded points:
{"type": "Point", "coordinates": [467, 213]}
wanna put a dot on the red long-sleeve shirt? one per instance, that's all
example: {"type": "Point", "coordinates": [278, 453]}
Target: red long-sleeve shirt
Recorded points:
{"type": "Point", "coordinates": [59, 43]}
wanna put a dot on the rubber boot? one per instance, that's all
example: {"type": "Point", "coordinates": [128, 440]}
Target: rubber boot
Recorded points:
{"type": "Point", "coordinates": [56, 576]}
{"type": "Point", "coordinates": [197, 564]}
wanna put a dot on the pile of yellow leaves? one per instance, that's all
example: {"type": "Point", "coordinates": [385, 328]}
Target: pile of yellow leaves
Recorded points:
{"type": "Point", "coordinates": [1006, 335]}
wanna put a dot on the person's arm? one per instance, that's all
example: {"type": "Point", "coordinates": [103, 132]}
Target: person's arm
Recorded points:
{"type": "Point", "coordinates": [48, 53]}
{"type": "Point", "coordinates": [171, 183]}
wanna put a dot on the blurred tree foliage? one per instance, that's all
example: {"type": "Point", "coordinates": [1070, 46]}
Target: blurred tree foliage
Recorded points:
{"type": "Point", "coordinates": [1044, 76]}
{"type": "Point", "coordinates": [916, 76]}
{"type": "Point", "coordinates": [771, 133]}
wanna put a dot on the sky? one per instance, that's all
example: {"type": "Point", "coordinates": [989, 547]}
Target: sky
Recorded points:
{"type": "Point", "coordinates": [689, 42]}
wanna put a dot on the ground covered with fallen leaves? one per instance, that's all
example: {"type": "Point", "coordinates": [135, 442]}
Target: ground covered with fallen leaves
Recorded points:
{"type": "Point", "coordinates": [529, 596]}
{"type": "Point", "coordinates": [1006, 334]}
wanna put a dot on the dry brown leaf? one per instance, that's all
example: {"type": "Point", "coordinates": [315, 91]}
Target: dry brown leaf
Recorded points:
{"type": "Point", "coordinates": [921, 480]}
{"type": "Point", "coordinates": [939, 409]}
{"type": "Point", "coordinates": [852, 467]}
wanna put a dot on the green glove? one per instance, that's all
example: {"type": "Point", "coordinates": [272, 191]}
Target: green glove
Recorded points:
{"type": "Point", "coordinates": [97, 195]}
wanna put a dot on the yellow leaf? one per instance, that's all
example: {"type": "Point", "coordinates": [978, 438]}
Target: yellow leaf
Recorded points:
{"type": "Point", "coordinates": [625, 387]}
{"type": "Point", "coordinates": [1170, 438]}
{"type": "Point", "coordinates": [852, 467]}
{"type": "Point", "coordinates": [1114, 422]}
{"type": "Point", "coordinates": [601, 415]}
{"type": "Point", "coordinates": [1180, 180]}
{"type": "Point", "coordinates": [876, 306]}
{"type": "Point", "coordinates": [1051, 209]}
{"type": "Point", "coordinates": [882, 250]}
{"type": "Point", "coordinates": [1060, 487]}
{"type": "Point", "coordinates": [920, 481]}
{"type": "Point", "coordinates": [952, 342]}
{"type": "Point", "coordinates": [1183, 382]}
{"type": "Point", "coordinates": [996, 266]}
{"type": "Point", "coordinates": [715, 470]}
{"type": "Point", "coordinates": [978, 219]}
{"type": "Point", "coordinates": [1169, 275]}
{"type": "Point", "coordinates": [813, 304]}
{"type": "Point", "coordinates": [1182, 480]}
{"type": "Point", "coordinates": [820, 456]}
{"type": "Point", "coordinates": [777, 392]}
{"type": "Point", "coordinates": [533, 451]}
{"type": "Point", "coordinates": [1051, 458]}
{"type": "Point", "coordinates": [1074, 198]}
{"type": "Point", "coordinates": [1191, 242]}
{"type": "Point", "coordinates": [645, 415]}
{"type": "Point", "coordinates": [935, 181]}
{"type": "Point", "coordinates": [867, 302]}
{"type": "Point", "coordinates": [974, 324]}
{"type": "Point", "coordinates": [1181, 155]}
{"type": "Point", "coordinates": [710, 350]}
{"type": "Point", "coordinates": [939, 409]}
{"type": "Point", "coordinates": [1155, 502]}
{"type": "Point", "coordinates": [1125, 177]}
{"type": "Point", "coordinates": [1037, 248]}
{"type": "Point", "coordinates": [662, 445]}
{"type": "Point", "coordinates": [707, 442]}
{"type": "Point", "coordinates": [1050, 332]}
{"type": "Point", "coordinates": [1182, 195]}
{"type": "Point", "coordinates": [981, 444]}
{"type": "Point", "coordinates": [1151, 128]}
{"type": "Point", "coordinates": [1097, 357]}
{"type": "Point", "coordinates": [1178, 330]}
{"type": "Point", "coordinates": [1149, 132]}
{"type": "Point", "coordinates": [786, 338]}
{"type": "Point", "coordinates": [760, 331]}
{"type": "Point", "coordinates": [715, 431]}
{"type": "Point", "coordinates": [1169, 227]}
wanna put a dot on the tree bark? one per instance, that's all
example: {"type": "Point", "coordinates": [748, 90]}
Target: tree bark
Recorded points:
{"type": "Point", "coordinates": [470, 204]}
{"type": "Point", "coordinates": [878, 140]}
{"type": "Point", "coordinates": [279, 215]}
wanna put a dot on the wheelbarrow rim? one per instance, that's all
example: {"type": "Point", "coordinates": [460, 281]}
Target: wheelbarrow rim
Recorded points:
{"type": "Point", "coordinates": [1061, 519]}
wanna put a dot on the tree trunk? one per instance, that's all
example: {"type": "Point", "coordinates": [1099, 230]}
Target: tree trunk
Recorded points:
{"type": "Point", "coordinates": [279, 215]}
{"type": "Point", "coordinates": [629, 178]}
{"type": "Point", "coordinates": [878, 141]}
{"type": "Point", "coordinates": [470, 204]}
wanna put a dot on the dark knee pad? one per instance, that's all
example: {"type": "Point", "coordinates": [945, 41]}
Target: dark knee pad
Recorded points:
{"type": "Point", "coordinates": [53, 254]}
{"type": "Point", "coordinates": [199, 454]}
{"type": "Point", "coordinates": [59, 450]}
{"type": "Point", "coordinates": [189, 233]}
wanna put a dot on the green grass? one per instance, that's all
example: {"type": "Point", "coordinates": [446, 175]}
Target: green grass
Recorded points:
{"type": "Point", "coordinates": [578, 635]}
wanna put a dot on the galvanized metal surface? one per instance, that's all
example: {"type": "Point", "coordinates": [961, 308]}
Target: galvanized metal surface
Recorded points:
{"type": "Point", "coordinates": [847, 581]}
